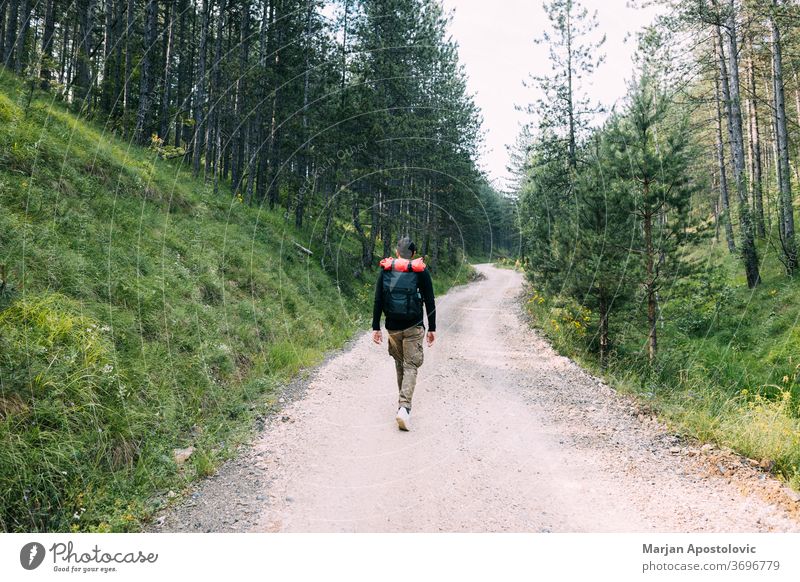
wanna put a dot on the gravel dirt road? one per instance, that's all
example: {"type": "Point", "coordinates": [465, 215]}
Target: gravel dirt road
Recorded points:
{"type": "Point", "coordinates": [507, 436]}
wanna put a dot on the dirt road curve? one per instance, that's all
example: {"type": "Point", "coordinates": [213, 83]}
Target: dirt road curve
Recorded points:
{"type": "Point", "coordinates": [506, 436]}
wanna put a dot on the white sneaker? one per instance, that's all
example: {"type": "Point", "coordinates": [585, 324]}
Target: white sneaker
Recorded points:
{"type": "Point", "coordinates": [403, 419]}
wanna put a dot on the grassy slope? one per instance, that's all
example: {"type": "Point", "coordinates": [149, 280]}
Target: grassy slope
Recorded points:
{"type": "Point", "coordinates": [729, 362]}
{"type": "Point", "coordinates": [141, 314]}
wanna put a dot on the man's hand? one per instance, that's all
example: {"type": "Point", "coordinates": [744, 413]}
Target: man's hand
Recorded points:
{"type": "Point", "coordinates": [377, 336]}
{"type": "Point", "coordinates": [431, 338]}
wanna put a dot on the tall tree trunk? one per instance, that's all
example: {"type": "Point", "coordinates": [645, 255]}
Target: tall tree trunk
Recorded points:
{"type": "Point", "coordinates": [119, 69]}
{"type": "Point", "coordinates": [169, 19]}
{"type": "Point", "coordinates": [147, 78]}
{"type": "Point", "coordinates": [84, 71]}
{"type": "Point", "coordinates": [47, 43]}
{"type": "Point", "coordinates": [374, 223]}
{"type": "Point", "coordinates": [650, 282]}
{"type": "Point", "coordinates": [11, 32]}
{"type": "Point", "coordinates": [604, 344]}
{"type": "Point", "coordinates": [332, 206]}
{"type": "Point", "coordinates": [213, 156]}
{"type": "Point", "coordinates": [240, 119]}
{"type": "Point", "coordinates": [715, 206]}
{"type": "Point", "coordinates": [106, 95]}
{"type": "Point", "coordinates": [274, 133]}
{"type": "Point", "coordinates": [796, 93]}
{"type": "Point", "coordinates": [262, 183]}
{"type": "Point", "coordinates": [224, 119]}
{"type": "Point", "coordinates": [570, 104]}
{"type": "Point", "coordinates": [3, 10]}
{"type": "Point", "coordinates": [21, 57]}
{"type": "Point", "coordinates": [731, 83]}
{"type": "Point", "coordinates": [782, 146]}
{"type": "Point", "coordinates": [184, 61]}
{"type": "Point", "coordinates": [756, 179]}
{"type": "Point", "coordinates": [366, 250]}
{"type": "Point", "coordinates": [130, 15]}
{"type": "Point", "coordinates": [256, 129]}
{"type": "Point", "coordinates": [725, 216]}
{"type": "Point", "coordinates": [305, 158]}
{"type": "Point", "coordinates": [200, 93]}
{"type": "Point", "coordinates": [63, 75]}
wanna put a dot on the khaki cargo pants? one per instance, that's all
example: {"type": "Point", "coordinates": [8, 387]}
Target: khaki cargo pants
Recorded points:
{"type": "Point", "coordinates": [405, 346]}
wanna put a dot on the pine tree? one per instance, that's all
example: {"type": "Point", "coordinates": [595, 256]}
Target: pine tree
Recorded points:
{"type": "Point", "coordinates": [651, 154]}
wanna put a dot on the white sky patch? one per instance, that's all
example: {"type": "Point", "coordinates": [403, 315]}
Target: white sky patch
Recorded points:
{"type": "Point", "coordinates": [496, 46]}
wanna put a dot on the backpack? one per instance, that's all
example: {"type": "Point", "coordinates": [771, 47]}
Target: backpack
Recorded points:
{"type": "Point", "coordinates": [401, 297]}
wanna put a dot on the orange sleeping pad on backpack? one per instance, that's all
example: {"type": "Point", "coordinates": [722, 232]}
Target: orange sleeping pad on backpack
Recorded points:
{"type": "Point", "coordinates": [390, 264]}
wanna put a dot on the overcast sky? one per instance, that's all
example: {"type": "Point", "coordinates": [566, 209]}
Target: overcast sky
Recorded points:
{"type": "Point", "coordinates": [496, 46]}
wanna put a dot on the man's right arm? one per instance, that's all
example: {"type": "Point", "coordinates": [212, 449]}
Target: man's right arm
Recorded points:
{"type": "Point", "coordinates": [377, 307]}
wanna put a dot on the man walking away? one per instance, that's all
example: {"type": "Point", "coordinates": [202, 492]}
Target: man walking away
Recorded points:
{"type": "Point", "coordinates": [404, 283]}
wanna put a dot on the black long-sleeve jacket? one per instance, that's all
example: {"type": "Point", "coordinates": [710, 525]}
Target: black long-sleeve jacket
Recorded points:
{"type": "Point", "coordinates": [425, 285]}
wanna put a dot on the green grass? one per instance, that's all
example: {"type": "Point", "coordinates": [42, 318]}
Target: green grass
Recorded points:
{"type": "Point", "coordinates": [728, 368]}
{"type": "Point", "coordinates": [140, 314]}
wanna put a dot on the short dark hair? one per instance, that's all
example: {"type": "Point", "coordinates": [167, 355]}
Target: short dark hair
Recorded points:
{"type": "Point", "coordinates": [406, 247]}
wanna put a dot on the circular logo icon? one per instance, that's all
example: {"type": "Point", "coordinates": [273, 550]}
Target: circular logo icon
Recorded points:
{"type": "Point", "coordinates": [31, 555]}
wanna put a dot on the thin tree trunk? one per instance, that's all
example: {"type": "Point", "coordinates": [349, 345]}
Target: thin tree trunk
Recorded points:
{"type": "Point", "coordinates": [756, 179]}
{"type": "Point", "coordinates": [224, 119]}
{"type": "Point", "coordinates": [374, 224]}
{"type": "Point", "coordinates": [237, 140]}
{"type": "Point", "coordinates": [333, 204]}
{"type": "Point", "coordinates": [106, 94]}
{"type": "Point", "coordinates": [330, 211]}
{"type": "Point", "coordinates": [274, 134]}
{"type": "Point", "coordinates": [782, 145]}
{"type": "Point", "coordinates": [199, 91]}
{"type": "Point", "coordinates": [213, 157]}
{"type": "Point", "coordinates": [570, 105]}
{"type": "Point", "coordinates": [3, 10]}
{"type": "Point", "coordinates": [796, 93]}
{"type": "Point", "coordinates": [21, 60]}
{"type": "Point", "coordinates": [119, 71]}
{"type": "Point", "coordinates": [725, 216]}
{"type": "Point", "coordinates": [130, 14]}
{"type": "Point", "coordinates": [255, 131]}
{"type": "Point", "coordinates": [426, 244]}
{"type": "Point", "coordinates": [771, 159]}
{"type": "Point", "coordinates": [163, 131]}
{"type": "Point", "coordinates": [84, 71]}
{"type": "Point", "coordinates": [748, 248]}
{"type": "Point", "coordinates": [218, 155]}
{"type": "Point", "coordinates": [184, 61]}
{"type": "Point", "coordinates": [305, 159]}
{"type": "Point", "coordinates": [650, 282]}
{"type": "Point", "coordinates": [262, 185]}
{"type": "Point", "coordinates": [63, 77]}
{"type": "Point", "coordinates": [604, 344]}
{"type": "Point", "coordinates": [11, 33]}
{"type": "Point", "coordinates": [715, 203]}
{"type": "Point", "coordinates": [47, 43]}
{"type": "Point", "coordinates": [146, 80]}
{"type": "Point", "coordinates": [366, 250]}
